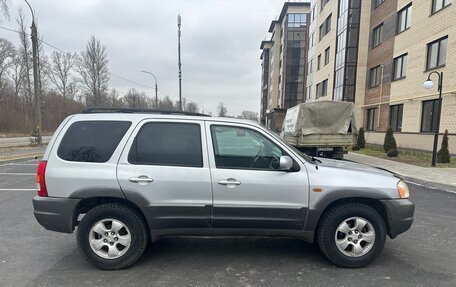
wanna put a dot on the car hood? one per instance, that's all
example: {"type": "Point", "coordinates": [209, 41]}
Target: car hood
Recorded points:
{"type": "Point", "coordinates": [344, 164]}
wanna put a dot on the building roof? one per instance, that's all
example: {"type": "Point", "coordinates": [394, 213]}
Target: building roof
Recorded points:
{"type": "Point", "coordinates": [263, 43]}
{"type": "Point", "coordinates": [284, 12]}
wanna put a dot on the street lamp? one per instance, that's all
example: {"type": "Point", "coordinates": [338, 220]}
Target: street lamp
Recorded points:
{"type": "Point", "coordinates": [429, 84]}
{"type": "Point", "coordinates": [156, 87]}
{"type": "Point", "coordinates": [35, 77]}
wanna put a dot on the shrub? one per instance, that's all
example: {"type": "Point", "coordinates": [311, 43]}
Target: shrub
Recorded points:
{"type": "Point", "coordinates": [443, 156]}
{"type": "Point", "coordinates": [392, 152]}
{"type": "Point", "coordinates": [361, 141]}
{"type": "Point", "coordinates": [390, 141]}
{"type": "Point", "coordinates": [355, 147]}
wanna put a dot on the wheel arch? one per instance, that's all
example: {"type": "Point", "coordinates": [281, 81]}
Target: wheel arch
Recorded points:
{"type": "Point", "coordinates": [376, 204]}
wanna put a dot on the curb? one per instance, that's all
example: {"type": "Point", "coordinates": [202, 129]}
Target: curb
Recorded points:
{"type": "Point", "coordinates": [430, 184]}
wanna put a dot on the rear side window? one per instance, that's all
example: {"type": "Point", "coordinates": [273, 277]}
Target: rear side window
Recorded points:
{"type": "Point", "coordinates": [92, 141]}
{"type": "Point", "coordinates": [169, 144]}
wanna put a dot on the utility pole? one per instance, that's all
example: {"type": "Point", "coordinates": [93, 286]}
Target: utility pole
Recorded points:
{"type": "Point", "coordinates": [36, 87]}
{"type": "Point", "coordinates": [179, 59]}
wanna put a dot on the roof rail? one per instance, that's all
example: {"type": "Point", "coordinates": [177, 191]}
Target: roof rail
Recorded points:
{"type": "Point", "coordinates": [141, 111]}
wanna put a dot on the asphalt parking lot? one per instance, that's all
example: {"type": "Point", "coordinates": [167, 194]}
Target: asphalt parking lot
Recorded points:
{"type": "Point", "coordinates": [32, 256]}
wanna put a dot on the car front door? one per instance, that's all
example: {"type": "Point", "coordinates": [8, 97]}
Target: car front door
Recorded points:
{"type": "Point", "coordinates": [249, 189]}
{"type": "Point", "coordinates": [165, 168]}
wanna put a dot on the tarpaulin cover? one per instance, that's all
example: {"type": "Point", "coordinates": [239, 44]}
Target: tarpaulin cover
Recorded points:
{"type": "Point", "coordinates": [319, 117]}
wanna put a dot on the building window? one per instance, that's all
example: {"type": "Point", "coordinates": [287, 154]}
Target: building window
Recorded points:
{"type": "Point", "coordinates": [436, 53]}
{"type": "Point", "coordinates": [327, 56]}
{"type": "Point", "coordinates": [323, 4]}
{"type": "Point", "coordinates": [322, 89]}
{"type": "Point", "coordinates": [325, 27]}
{"type": "Point", "coordinates": [377, 35]}
{"type": "Point", "coordinates": [399, 67]}
{"type": "Point", "coordinates": [296, 20]}
{"type": "Point", "coordinates": [438, 5]}
{"type": "Point", "coordinates": [375, 76]}
{"type": "Point", "coordinates": [318, 62]}
{"type": "Point", "coordinates": [371, 119]}
{"type": "Point", "coordinates": [376, 3]}
{"type": "Point", "coordinates": [310, 67]}
{"type": "Point", "coordinates": [313, 13]}
{"type": "Point", "coordinates": [396, 117]}
{"type": "Point", "coordinates": [429, 116]}
{"type": "Point", "coordinates": [404, 18]}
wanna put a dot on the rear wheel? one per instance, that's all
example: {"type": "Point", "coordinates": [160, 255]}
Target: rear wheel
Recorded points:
{"type": "Point", "coordinates": [112, 236]}
{"type": "Point", "coordinates": [351, 234]}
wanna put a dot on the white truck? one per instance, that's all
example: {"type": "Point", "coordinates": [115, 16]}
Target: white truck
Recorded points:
{"type": "Point", "coordinates": [321, 128]}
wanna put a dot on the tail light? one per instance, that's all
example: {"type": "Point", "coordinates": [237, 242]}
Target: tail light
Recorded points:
{"type": "Point", "coordinates": [40, 179]}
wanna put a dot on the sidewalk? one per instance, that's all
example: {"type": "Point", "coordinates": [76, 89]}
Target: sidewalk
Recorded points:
{"type": "Point", "coordinates": [442, 176]}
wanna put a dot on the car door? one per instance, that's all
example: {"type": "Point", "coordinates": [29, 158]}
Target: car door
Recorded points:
{"type": "Point", "coordinates": [165, 165]}
{"type": "Point", "coordinates": [249, 189]}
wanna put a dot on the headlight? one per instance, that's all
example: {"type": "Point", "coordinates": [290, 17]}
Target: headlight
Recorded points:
{"type": "Point", "coordinates": [403, 190]}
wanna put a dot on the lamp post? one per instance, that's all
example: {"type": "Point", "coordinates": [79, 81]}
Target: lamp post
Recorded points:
{"type": "Point", "coordinates": [179, 64]}
{"type": "Point", "coordinates": [156, 87]}
{"type": "Point", "coordinates": [429, 84]}
{"type": "Point", "coordinates": [35, 77]}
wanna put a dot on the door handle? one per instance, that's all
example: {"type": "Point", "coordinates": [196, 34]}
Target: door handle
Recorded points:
{"type": "Point", "coordinates": [229, 182]}
{"type": "Point", "coordinates": [141, 179]}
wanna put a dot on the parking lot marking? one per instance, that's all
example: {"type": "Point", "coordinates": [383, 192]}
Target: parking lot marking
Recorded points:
{"type": "Point", "coordinates": [16, 173]}
{"type": "Point", "coordinates": [17, 189]}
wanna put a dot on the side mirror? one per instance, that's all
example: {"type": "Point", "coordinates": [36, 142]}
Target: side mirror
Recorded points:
{"type": "Point", "coordinates": [286, 163]}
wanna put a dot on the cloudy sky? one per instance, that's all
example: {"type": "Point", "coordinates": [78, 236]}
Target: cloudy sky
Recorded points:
{"type": "Point", "coordinates": [220, 43]}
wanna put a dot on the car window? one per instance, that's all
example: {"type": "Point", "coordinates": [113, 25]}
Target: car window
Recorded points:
{"type": "Point", "coordinates": [169, 144]}
{"type": "Point", "coordinates": [92, 141]}
{"type": "Point", "coordinates": [242, 148]}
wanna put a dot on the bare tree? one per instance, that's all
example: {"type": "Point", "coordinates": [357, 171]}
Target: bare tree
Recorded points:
{"type": "Point", "coordinates": [191, 107]}
{"type": "Point", "coordinates": [249, 115]}
{"type": "Point", "coordinates": [4, 7]}
{"type": "Point", "coordinates": [60, 73]}
{"type": "Point", "coordinates": [222, 110]}
{"type": "Point", "coordinates": [165, 103]}
{"type": "Point", "coordinates": [7, 53]}
{"type": "Point", "coordinates": [92, 65]}
{"type": "Point", "coordinates": [26, 61]}
{"type": "Point", "coordinates": [134, 99]}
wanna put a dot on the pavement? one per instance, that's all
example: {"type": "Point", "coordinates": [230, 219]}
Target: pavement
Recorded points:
{"type": "Point", "coordinates": [443, 178]}
{"type": "Point", "coordinates": [33, 256]}
{"type": "Point", "coordinates": [19, 141]}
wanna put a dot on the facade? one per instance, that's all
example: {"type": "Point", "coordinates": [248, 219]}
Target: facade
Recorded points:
{"type": "Point", "coordinates": [377, 54]}
{"type": "Point", "coordinates": [284, 60]}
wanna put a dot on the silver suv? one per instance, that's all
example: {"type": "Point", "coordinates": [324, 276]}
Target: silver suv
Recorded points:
{"type": "Point", "coordinates": [128, 177]}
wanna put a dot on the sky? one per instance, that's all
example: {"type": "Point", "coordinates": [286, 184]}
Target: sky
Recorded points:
{"type": "Point", "coordinates": [220, 43]}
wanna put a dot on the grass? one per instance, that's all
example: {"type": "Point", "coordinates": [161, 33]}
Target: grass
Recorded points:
{"type": "Point", "coordinates": [407, 156]}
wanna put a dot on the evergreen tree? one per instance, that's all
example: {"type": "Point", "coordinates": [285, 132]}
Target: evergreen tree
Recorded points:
{"type": "Point", "coordinates": [361, 141]}
{"type": "Point", "coordinates": [443, 156]}
{"type": "Point", "coordinates": [390, 141]}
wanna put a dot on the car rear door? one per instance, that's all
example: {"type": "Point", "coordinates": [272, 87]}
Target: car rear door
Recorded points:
{"type": "Point", "coordinates": [165, 167]}
{"type": "Point", "coordinates": [249, 189]}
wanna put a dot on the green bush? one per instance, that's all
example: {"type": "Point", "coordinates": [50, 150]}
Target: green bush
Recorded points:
{"type": "Point", "coordinates": [443, 156]}
{"type": "Point", "coordinates": [390, 141]}
{"type": "Point", "coordinates": [361, 141]}
{"type": "Point", "coordinates": [392, 152]}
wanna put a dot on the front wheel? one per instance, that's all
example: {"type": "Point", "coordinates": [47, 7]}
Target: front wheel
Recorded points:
{"type": "Point", "coordinates": [351, 234]}
{"type": "Point", "coordinates": [112, 236]}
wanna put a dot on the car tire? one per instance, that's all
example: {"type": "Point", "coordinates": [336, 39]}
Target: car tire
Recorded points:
{"type": "Point", "coordinates": [351, 235]}
{"type": "Point", "coordinates": [112, 236]}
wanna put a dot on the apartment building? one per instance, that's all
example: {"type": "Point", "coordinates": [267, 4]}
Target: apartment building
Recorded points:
{"type": "Point", "coordinates": [284, 59]}
{"type": "Point", "coordinates": [377, 54]}
{"type": "Point", "coordinates": [409, 40]}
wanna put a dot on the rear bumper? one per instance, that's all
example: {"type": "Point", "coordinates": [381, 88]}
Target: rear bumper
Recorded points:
{"type": "Point", "coordinates": [400, 215]}
{"type": "Point", "coordinates": [55, 213]}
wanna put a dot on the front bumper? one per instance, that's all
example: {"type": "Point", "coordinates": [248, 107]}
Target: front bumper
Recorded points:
{"type": "Point", "coordinates": [55, 213]}
{"type": "Point", "coordinates": [399, 214]}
